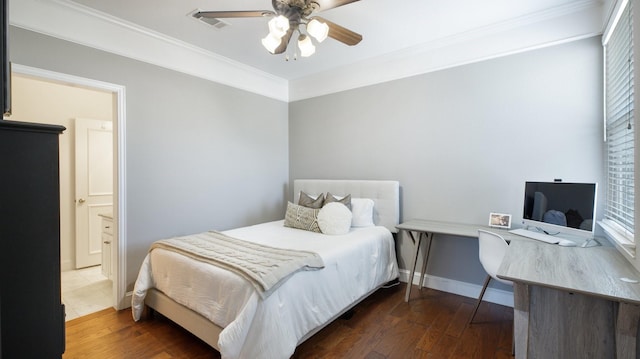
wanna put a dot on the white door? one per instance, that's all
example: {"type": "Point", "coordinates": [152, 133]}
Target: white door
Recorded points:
{"type": "Point", "coordinates": [94, 187]}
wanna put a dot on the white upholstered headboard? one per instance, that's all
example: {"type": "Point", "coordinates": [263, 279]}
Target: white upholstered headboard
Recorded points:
{"type": "Point", "coordinates": [385, 195]}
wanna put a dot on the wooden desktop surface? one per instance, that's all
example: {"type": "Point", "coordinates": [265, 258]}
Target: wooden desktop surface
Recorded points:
{"type": "Point", "coordinates": [595, 271]}
{"type": "Point", "coordinates": [451, 228]}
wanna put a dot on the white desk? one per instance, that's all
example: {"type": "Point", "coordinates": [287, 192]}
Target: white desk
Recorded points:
{"type": "Point", "coordinates": [569, 302]}
{"type": "Point", "coordinates": [420, 228]}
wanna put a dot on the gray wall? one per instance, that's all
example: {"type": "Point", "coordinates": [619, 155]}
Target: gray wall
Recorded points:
{"type": "Point", "coordinates": [461, 141]}
{"type": "Point", "coordinates": [200, 155]}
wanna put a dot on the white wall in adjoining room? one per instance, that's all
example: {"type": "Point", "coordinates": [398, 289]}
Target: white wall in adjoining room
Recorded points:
{"type": "Point", "coordinates": [41, 101]}
{"type": "Point", "coordinates": [461, 141]}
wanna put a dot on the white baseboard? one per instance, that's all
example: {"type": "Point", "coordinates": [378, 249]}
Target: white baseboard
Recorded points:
{"type": "Point", "coordinates": [66, 265]}
{"type": "Point", "coordinates": [126, 302]}
{"type": "Point", "coordinates": [492, 295]}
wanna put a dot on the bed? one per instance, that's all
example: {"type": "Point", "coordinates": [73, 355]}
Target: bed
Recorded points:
{"type": "Point", "coordinates": [222, 309]}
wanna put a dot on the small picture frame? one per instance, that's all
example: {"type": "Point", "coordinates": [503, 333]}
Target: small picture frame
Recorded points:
{"type": "Point", "coordinates": [500, 220]}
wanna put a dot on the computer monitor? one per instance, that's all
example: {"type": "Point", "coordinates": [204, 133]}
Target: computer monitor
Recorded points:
{"type": "Point", "coordinates": [560, 207]}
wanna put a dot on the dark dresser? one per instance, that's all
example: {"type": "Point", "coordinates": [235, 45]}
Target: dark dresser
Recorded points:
{"type": "Point", "coordinates": [31, 309]}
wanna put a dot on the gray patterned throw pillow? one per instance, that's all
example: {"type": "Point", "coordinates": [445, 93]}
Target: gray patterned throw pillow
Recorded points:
{"type": "Point", "coordinates": [302, 217]}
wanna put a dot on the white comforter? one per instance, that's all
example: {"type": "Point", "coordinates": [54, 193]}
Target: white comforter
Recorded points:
{"type": "Point", "coordinates": [355, 264]}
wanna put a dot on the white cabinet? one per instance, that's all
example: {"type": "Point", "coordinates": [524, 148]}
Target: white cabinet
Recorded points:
{"type": "Point", "coordinates": [107, 246]}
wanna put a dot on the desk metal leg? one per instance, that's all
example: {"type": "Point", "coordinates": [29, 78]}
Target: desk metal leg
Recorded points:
{"type": "Point", "coordinates": [426, 257]}
{"type": "Point", "coordinates": [413, 267]}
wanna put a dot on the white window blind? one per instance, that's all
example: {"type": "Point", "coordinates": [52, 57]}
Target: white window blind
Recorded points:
{"type": "Point", "coordinates": [619, 113]}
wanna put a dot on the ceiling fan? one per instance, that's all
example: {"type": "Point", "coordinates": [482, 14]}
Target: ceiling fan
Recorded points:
{"type": "Point", "coordinates": [289, 16]}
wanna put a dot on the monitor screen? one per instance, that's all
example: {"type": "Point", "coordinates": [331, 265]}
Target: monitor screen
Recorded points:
{"type": "Point", "coordinates": [560, 206]}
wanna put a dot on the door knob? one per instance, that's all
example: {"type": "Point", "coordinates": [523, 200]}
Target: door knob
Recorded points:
{"type": "Point", "coordinates": [81, 200]}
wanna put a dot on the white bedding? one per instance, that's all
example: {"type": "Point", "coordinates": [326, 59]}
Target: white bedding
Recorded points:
{"type": "Point", "coordinates": [355, 263]}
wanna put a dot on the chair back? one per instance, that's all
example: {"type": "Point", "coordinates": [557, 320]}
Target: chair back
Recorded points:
{"type": "Point", "coordinates": [492, 249]}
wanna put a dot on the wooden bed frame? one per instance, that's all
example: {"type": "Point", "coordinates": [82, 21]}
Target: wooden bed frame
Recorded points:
{"type": "Point", "coordinates": [385, 194]}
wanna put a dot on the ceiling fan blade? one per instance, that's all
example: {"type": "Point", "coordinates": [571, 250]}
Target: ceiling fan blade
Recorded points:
{"type": "Point", "coordinates": [284, 42]}
{"type": "Point", "coordinates": [227, 14]}
{"type": "Point", "coordinates": [340, 33]}
{"type": "Point", "coordinates": [330, 4]}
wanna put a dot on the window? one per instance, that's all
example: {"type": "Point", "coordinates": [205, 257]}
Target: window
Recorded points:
{"type": "Point", "coordinates": [620, 126]}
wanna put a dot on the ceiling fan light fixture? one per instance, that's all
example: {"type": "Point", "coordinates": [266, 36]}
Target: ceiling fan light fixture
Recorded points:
{"type": "Point", "coordinates": [306, 46]}
{"type": "Point", "coordinates": [319, 30]}
{"type": "Point", "coordinates": [290, 18]}
{"type": "Point", "coordinates": [278, 26]}
{"type": "Point", "coordinates": [271, 42]}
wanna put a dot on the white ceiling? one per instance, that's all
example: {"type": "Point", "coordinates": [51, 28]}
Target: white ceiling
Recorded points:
{"type": "Point", "coordinates": [400, 37]}
{"type": "Point", "coordinates": [386, 25]}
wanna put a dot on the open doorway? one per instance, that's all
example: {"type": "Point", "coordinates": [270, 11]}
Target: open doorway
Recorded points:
{"type": "Point", "coordinates": [48, 97]}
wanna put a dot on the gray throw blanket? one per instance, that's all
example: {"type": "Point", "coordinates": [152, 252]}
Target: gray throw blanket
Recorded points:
{"type": "Point", "coordinates": [263, 266]}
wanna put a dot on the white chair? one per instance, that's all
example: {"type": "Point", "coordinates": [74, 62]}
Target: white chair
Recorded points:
{"type": "Point", "coordinates": [492, 249]}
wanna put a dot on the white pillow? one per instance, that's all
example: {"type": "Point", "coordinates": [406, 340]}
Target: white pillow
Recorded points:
{"type": "Point", "coordinates": [362, 209]}
{"type": "Point", "coordinates": [334, 218]}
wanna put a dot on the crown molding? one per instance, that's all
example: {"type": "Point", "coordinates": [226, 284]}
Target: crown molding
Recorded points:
{"type": "Point", "coordinates": [63, 18]}
{"type": "Point", "coordinates": [546, 28]}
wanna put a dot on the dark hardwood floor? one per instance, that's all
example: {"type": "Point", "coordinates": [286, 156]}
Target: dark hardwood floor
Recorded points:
{"type": "Point", "coordinates": [432, 325]}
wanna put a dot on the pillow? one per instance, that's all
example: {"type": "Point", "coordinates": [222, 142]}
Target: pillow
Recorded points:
{"type": "Point", "coordinates": [334, 218]}
{"type": "Point", "coordinates": [346, 200]}
{"type": "Point", "coordinates": [362, 209]}
{"type": "Point", "coordinates": [311, 202]}
{"type": "Point", "coordinates": [301, 217]}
